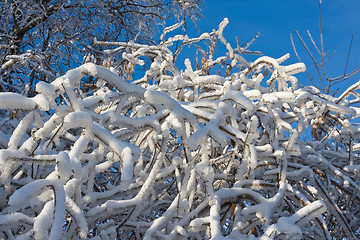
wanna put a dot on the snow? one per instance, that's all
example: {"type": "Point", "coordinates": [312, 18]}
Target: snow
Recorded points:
{"type": "Point", "coordinates": [286, 96]}
{"type": "Point", "coordinates": [170, 29]}
{"type": "Point", "coordinates": [16, 101]}
{"type": "Point", "coordinates": [20, 130]}
{"type": "Point", "coordinates": [22, 196]}
{"type": "Point", "coordinates": [43, 221]}
{"type": "Point", "coordinates": [179, 153]}
{"type": "Point", "coordinates": [110, 140]}
{"type": "Point", "coordinates": [78, 119]}
{"type": "Point", "coordinates": [239, 98]}
{"type": "Point", "coordinates": [291, 225]}
{"type": "Point", "coordinates": [253, 94]}
{"type": "Point", "coordinates": [131, 59]}
{"type": "Point", "coordinates": [6, 154]}
{"type": "Point", "coordinates": [41, 102]}
{"type": "Point", "coordinates": [127, 168]}
{"type": "Point", "coordinates": [79, 217]}
{"type": "Point", "coordinates": [295, 68]}
{"type": "Point", "coordinates": [265, 60]}
{"type": "Point", "coordinates": [63, 166]}
{"type": "Point", "coordinates": [270, 98]}
{"type": "Point", "coordinates": [210, 79]}
{"type": "Point", "coordinates": [352, 168]}
{"type": "Point", "coordinates": [161, 220]}
{"type": "Point", "coordinates": [8, 219]}
{"type": "Point", "coordinates": [287, 226]}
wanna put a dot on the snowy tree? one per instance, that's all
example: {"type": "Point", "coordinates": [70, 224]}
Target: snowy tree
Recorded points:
{"type": "Point", "coordinates": [41, 40]}
{"type": "Point", "coordinates": [224, 148]}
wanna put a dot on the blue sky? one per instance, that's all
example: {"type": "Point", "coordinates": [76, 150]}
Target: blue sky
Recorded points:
{"type": "Point", "coordinates": [276, 19]}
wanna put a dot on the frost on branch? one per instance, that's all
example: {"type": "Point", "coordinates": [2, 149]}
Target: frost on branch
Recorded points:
{"type": "Point", "coordinates": [180, 153]}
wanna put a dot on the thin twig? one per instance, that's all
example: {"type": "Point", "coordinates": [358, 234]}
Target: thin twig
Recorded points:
{"type": "Point", "coordinates": [52, 138]}
{"type": "Point", "coordinates": [348, 56]}
{"type": "Point", "coordinates": [312, 57]}
{"type": "Point", "coordinates": [125, 219]}
{"type": "Point", "coordinates": [298, 57]}
{"type": "Point", "coordinates": [313, 42]}
{"type": "Point", "coordinates": [252, 41]}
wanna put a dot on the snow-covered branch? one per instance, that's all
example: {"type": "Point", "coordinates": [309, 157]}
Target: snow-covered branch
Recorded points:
{"type": "Point", "coordinates": [180, 153]}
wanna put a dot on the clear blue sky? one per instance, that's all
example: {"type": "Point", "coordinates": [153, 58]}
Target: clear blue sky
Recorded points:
{"type": "Point", "coordinates": [276, 19]}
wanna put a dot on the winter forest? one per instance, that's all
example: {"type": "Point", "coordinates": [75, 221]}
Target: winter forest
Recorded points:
{"type": "Point", "coordinates": [110, 131]}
